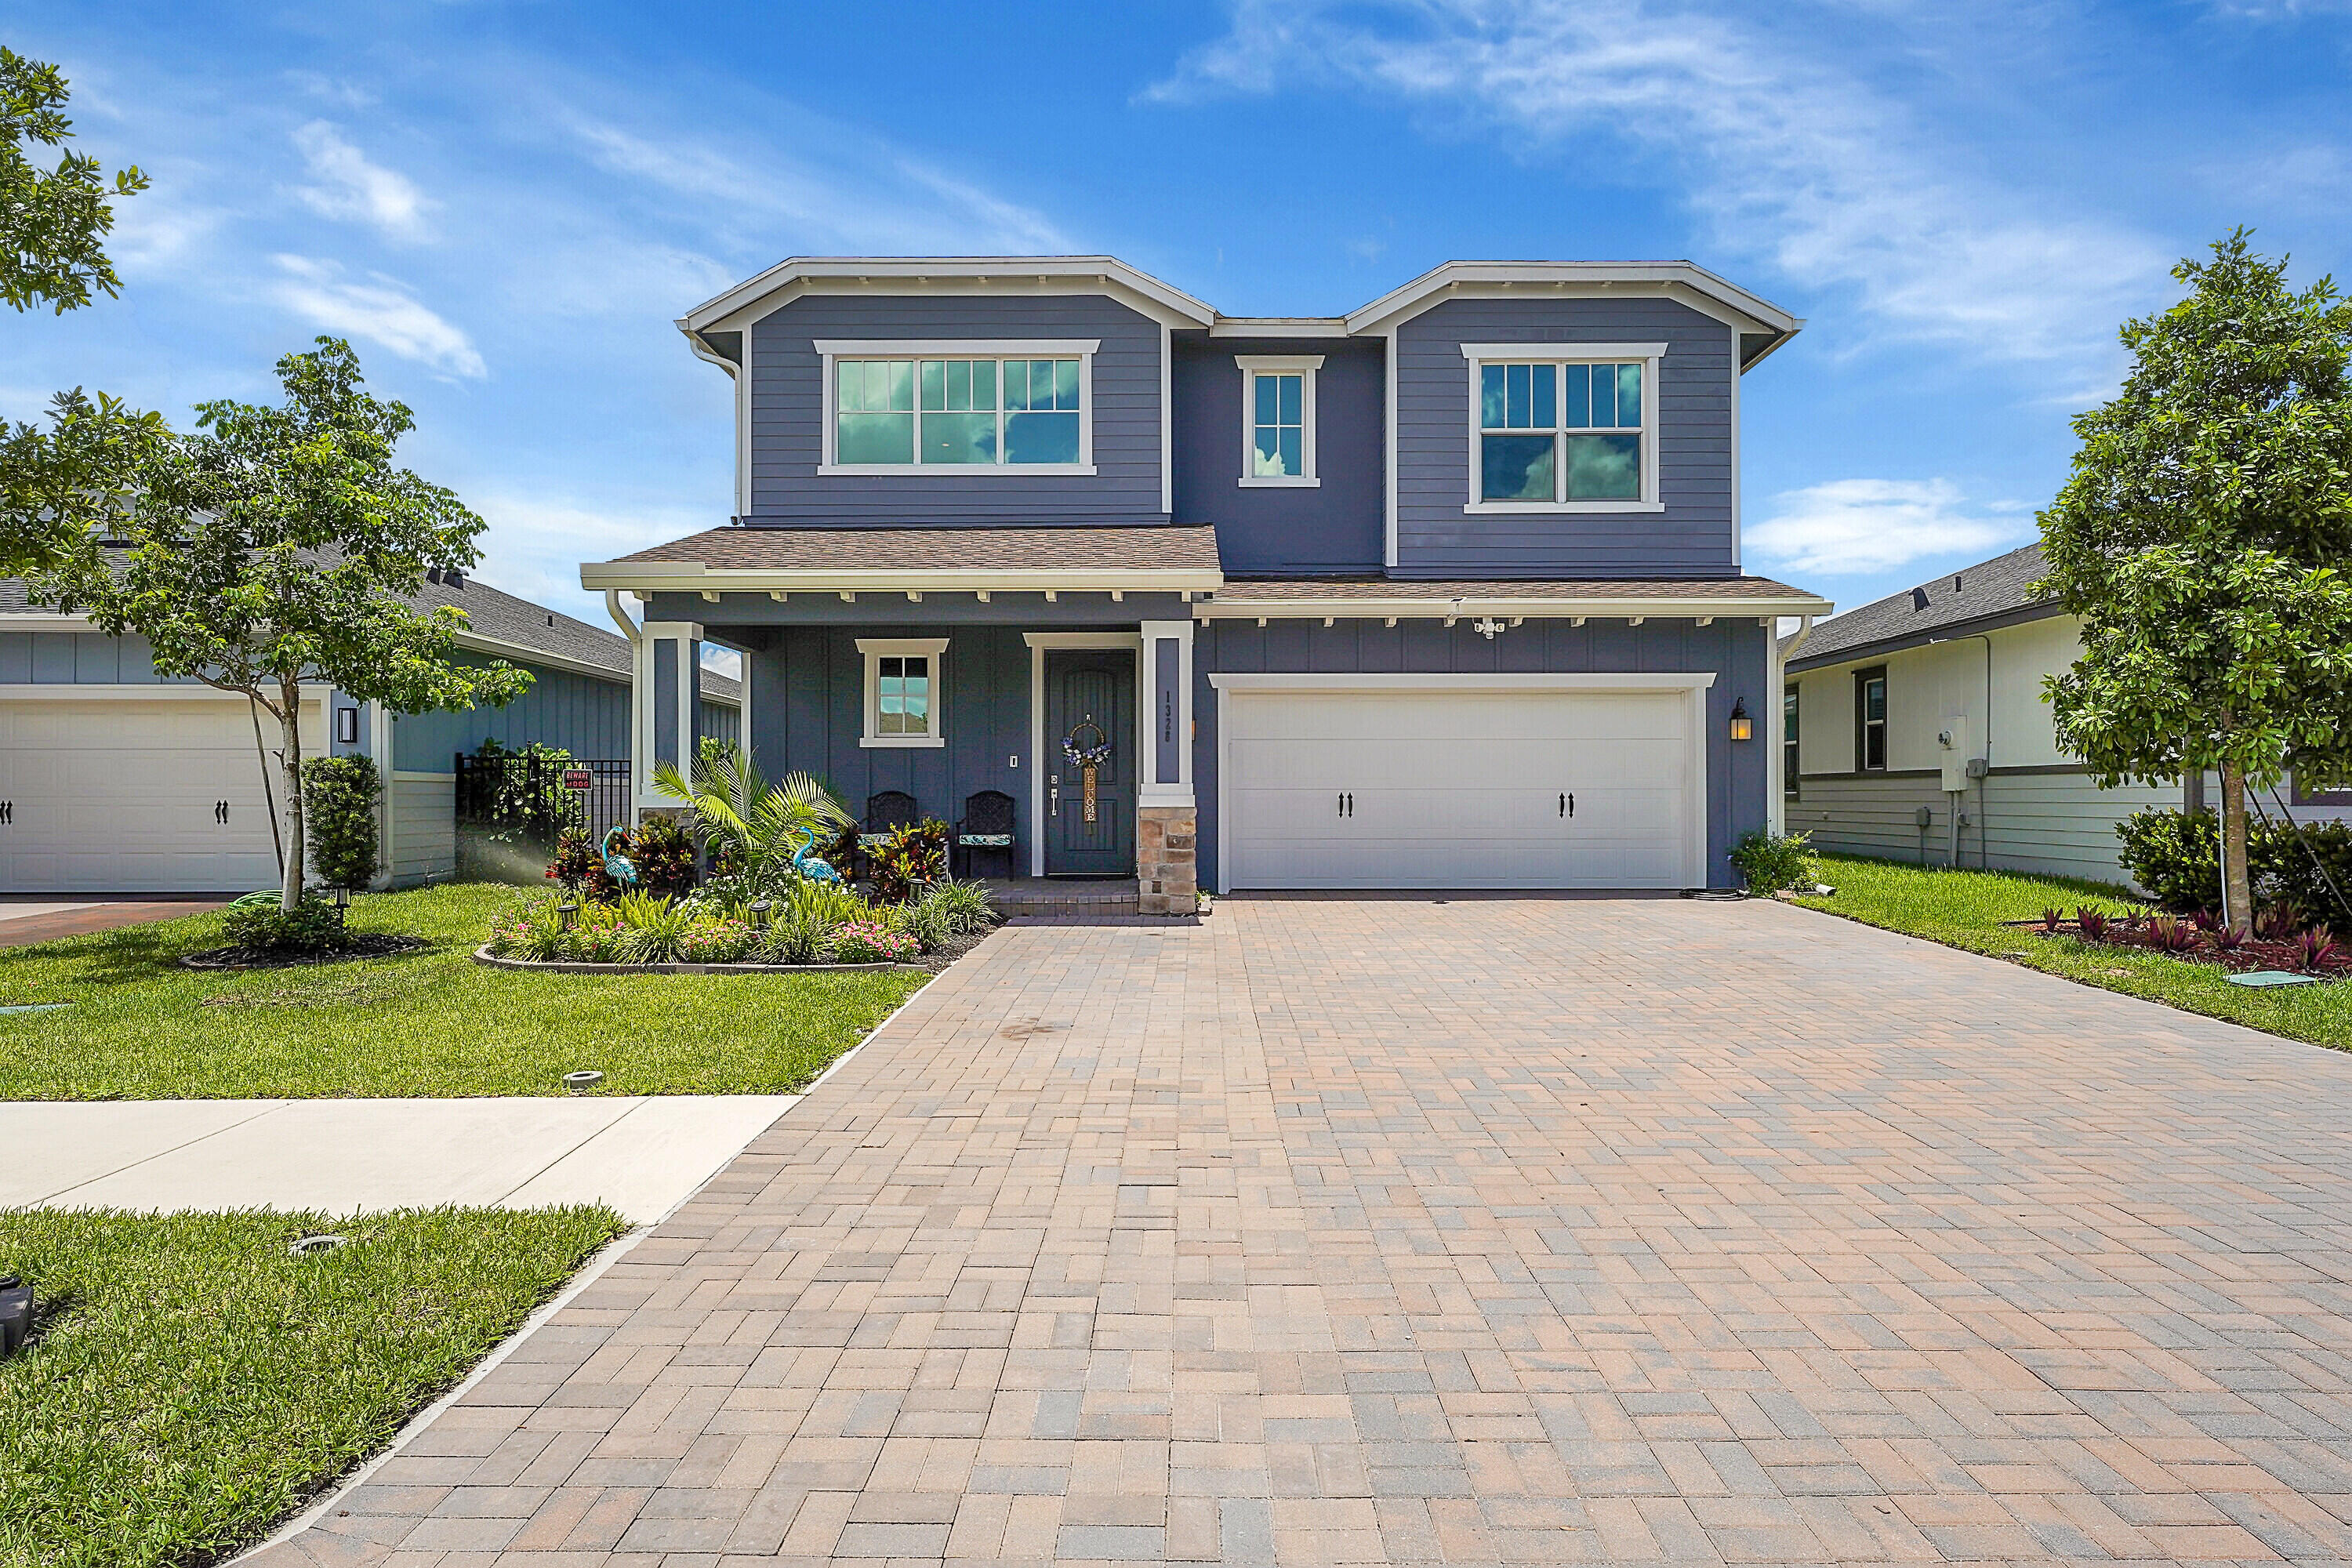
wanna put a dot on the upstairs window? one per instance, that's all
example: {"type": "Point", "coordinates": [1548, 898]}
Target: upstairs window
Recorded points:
{"type": "Point", "coordinates": [1278, 418]}
{"type": "Point", "coordinates": [1553, 431]}
{"type": "Point", "coordinates": [964, 411]}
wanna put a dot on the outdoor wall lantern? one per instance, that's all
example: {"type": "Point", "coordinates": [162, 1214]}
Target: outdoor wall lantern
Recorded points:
{"type": "Point", "coordinates": [1742, 727]}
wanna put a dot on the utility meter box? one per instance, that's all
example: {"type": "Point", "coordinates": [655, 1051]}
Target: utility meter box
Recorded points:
{"type": "Point", "coordinates": [1952, 751]}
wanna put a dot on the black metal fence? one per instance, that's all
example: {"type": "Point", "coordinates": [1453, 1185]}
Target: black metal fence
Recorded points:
{"type": "Point", "coordinates": [533, 800]}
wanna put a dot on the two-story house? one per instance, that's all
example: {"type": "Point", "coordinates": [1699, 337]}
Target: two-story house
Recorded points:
{"type": "Point", "coordinates": [1443, 593]}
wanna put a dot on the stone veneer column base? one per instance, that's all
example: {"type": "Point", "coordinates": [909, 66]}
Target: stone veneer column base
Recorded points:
{"type": "Point", "coordinates": [1166, 880]}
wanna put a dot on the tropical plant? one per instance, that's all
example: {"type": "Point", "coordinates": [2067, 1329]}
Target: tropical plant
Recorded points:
{"type": "Point", "coordinates": [278, 548]}
{"type": "Point", "coordinates": [2316, 949]}
{"type": "Point", "coordinates": [667, 858]}
{"type": "Point", "coordinates": [1772, 861]}
{"type": "Point", "coordinates": [867, 941]}
{"type": "Point", "coordinates": [909, 857]}
{"type": "Point", "coordinates": [653, 928]}
{"type": "Point", "coordinates": [2199, 542]}
{"type": "Point", "coordinates": [346, 797]}
{"type": "Point", "coordinates": [314, 925]}
{"type": "Point", "coordinates": [2170, 933]}
{"type": "Point", "coordinates": [579, 869]}
{"type": "Point", "coordinates": [755, 826]}
{"type": "Point", "coordinates": [2092, 923]}
{"type": "Point", "coordinates": [967, 905]}
{"type": "Point", "coordinates": [716, 942]}
{"type": "Point", "coordinates": [2051, 919]}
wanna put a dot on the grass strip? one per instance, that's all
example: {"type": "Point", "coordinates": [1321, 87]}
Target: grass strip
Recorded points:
{"type": "Point", "coordinates": [191, 1383]}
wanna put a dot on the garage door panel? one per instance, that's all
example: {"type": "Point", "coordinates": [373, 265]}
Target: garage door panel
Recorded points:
{"type": "Point", "coordinates": [1426, 788]}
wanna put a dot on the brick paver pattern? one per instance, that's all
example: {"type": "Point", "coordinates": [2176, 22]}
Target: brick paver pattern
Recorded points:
{"type": "Point", "coordinates": [1466, 1230]}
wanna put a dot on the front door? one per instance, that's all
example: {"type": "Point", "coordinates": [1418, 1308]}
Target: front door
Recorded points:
{"type": "Point", "coordinates": [1089, 711]}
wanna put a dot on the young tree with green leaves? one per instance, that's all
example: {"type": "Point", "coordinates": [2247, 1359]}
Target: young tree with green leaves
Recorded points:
{"type": "Point", "coordinates": [2200, 540]}
{"type": "Point", "coordinates": [53, 222]}
{"type": "Point", "coordinates": [276, 548]}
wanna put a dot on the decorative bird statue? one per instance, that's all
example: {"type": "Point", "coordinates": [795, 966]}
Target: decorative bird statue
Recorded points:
{"type": "Point", "coordinates": [617, 865]}
{"type": "Point", "coordinates": [808, 865]}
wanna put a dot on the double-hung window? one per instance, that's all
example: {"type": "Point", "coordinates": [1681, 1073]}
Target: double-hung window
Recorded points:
{"type": "Point", "coordinates": [902, 690]}
{"type": "Point", "coordinates": [1870, 720]}
{"type": "Point", "coordinates": [1278, 418]}
{"type": "Point", "coordinates": [1789, 739]}
{"type": "Point", "coordinates": [1563, 426]}
{"type": "Point", "coordinates": [963, 407]}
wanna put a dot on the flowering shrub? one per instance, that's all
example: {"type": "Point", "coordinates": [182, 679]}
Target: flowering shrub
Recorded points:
{"type": "Point", "coordinates": [716, 942]}
{"type": "Point", "coordinates": [866, 941]}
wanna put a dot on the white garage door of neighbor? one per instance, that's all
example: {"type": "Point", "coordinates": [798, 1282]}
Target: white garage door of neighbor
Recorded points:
{"type": "Point", "coordinates": [1461, 789]}
{"type": "Point", "coordinates": [128, 796]}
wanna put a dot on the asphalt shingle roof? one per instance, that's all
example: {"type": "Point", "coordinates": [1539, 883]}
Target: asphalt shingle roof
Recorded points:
{"type": "Point", "coordinates": [1994, 587]}
{"type": "Point", "coordinates": [1245, 589]}
{"type": "Point", "coordinates": [1152, 547]}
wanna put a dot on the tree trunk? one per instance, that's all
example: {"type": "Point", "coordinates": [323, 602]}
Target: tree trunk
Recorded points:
{"type": "Point", "coordinates": [289, 719]}
{"type": "Point", "coordinates": [2237, 884]}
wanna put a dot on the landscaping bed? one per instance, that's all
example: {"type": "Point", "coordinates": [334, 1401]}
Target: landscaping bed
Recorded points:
{"type": "Point", "coordinates": [191, 1382]}
{"type": "Point", "coordinates": [1989, 912]}
{"type": "Point", "coordinates": [367, 944]}
{"type": "Point", "coordinates": [428, 1023]}
{"type": "Point", "coordinates": [2278, 941]}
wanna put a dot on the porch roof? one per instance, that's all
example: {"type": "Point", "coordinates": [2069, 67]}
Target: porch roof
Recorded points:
{"type": "Point", "coordinates": [1680, 597]}
{"type": "Point", "coordinates": [1164, 557]}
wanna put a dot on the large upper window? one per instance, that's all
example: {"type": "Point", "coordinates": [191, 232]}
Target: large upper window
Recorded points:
{"type": "Point", "coordinates": [892, 408]}
{"type": "Point", "coordinates": [1563, 426]}
{"type": "Point", "coordinates": [1278, 418]}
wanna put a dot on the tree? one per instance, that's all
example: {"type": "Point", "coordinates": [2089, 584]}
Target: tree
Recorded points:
{"type": "Point", "coordinates": [71, 478]}
{"type": "Point", "coordinates": [2198, 540]}
{"type": "Point", "coordinates": [276, 548]}
{"type": "Point", "coordinates": [52, 222]}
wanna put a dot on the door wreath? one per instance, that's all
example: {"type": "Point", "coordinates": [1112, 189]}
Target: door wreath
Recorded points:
{"type": "Point", "coordinates": [1087, 757]}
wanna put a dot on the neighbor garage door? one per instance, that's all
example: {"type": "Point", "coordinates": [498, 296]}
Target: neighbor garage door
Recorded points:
{"type": "Point", "coordinates": [126, 795]}
{"type": "Point", "coordinates": [1451, 788]}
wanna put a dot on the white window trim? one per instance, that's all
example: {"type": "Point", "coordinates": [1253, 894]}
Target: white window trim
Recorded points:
{"type": "Point", "coordinates": [876, 650]}
{"type": "Point", "coordinates": [1649, 354]}
{"type": "Point", "coordinates": [1303, 366]}
{"type": "Point", "coordinates": [1080, 348]}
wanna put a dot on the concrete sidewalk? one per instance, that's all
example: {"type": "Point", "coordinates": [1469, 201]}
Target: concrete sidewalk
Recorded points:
{"type": "Point", "coordinates": [641, 1156]}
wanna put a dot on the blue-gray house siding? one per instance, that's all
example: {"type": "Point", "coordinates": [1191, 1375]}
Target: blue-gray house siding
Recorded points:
{"type": "Point", "coordinates": [79, 658]}
{"type": "Point", "coordinates": [1736, 651]}
{"type": "Point", "coordinates": [1693, 537]}
{"type": "Point", "coordinates": [583, 715]}
{"type": "Point", "coordinates": [788, 413]}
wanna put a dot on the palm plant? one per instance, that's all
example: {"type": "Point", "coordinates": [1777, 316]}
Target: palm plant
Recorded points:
{"type": "Point", "coordinates": [757, 827]}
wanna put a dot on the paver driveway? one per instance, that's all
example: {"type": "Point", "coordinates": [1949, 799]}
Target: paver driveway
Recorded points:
{"type": "Point", "coordinates": [1474, 1231]}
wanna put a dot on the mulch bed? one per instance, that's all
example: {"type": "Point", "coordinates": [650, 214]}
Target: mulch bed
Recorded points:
{"type": "Point", "coordinates": [2253, 953]}
{"type": "Point", "coordinates": [367, 944]}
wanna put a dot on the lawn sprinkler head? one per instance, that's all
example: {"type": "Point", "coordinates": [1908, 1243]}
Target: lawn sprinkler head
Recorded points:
{"type": "Point", "coordinates": [310, 1244]}
{"type": "Point", "coordinates": [16, 1314]}
{"type": "Point", "coordinates": [581, 1082]}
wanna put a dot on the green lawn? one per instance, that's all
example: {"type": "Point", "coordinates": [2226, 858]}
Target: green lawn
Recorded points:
{"type": "Point", "coordinates": [429, 1024]}
{"type": "Point", "coordinates": [1965, 909]}
{"type": "Point", "coordinates": [193, 1384]}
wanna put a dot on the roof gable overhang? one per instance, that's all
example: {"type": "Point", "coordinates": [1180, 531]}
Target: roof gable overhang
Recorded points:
{"type": "Point", "coordinates": [1807, 660]}
{"type": "Point", "coordinates": [883, 275]}
{"type": "Point", "coordinates": [1762, 325]}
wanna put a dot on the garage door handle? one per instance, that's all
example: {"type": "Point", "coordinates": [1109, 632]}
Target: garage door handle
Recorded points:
{"type": "Point", "coordinates": [7, 812]}
{"type": "Point", "coordinates": [220, 811]}
{"type": "Point", "coordinates": [1568, 805]}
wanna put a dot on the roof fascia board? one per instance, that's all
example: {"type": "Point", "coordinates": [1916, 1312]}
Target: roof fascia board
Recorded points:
{"type": "Point", "coordinates": [1999, 620]}
{"type": "Point", "coordinates": [1489, 280]}
{"type": "Point", "coordinates": [1279, 327]}
{"type": "Point", "coordinates": [888, 275]}
{"type": "Point", "coordinates": [693, 577]}
{"type": "Point", "coordinates": [1225, 608]}
{"type": "Point", "coordinates": [44, 621]}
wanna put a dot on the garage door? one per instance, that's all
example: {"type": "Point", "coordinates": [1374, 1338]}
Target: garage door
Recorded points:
{"type": "Point", "coordinates": [1461, 789]}
{"type": "Point", "coordinates": [132, 796]}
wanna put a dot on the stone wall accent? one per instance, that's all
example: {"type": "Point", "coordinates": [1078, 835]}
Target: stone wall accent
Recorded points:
{"type": "Point", "coordinates": [1166, 880]}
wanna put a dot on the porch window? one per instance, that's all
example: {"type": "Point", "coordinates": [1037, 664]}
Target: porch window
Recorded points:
{"type": "Point", "coordinates": [902, 691]}
{"type": "Point", "coordinates": [1788, 741]}
{"type": "Point", "coordinates": [977, 413]}
{"type": "Point", "coordinates": [1278, 418]}
{"type": "Point", "coordinates": [1563, 427]}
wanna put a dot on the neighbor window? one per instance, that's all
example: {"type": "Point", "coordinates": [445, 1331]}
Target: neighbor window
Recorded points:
{"type": "Point", "coordinates": [902, 691]}
{"type": "Point", "coordinates": [1563, 432]}
{"type": "Point", "coordinates": [969, 411]}
{"type": "Point", "coordinates": [1278, 418]}
{"type": "Point", "coordinates": [1870, 720]}
{"type": "Point", "coordinates": [1788, 741]}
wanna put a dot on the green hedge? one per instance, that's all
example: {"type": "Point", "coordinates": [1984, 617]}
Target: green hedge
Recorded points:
{"type": "Point", "coordinates": [341, 796]}
{"type": "Point", "coordinates": [2177, 856]}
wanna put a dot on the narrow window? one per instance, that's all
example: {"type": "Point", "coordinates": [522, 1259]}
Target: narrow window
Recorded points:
{"type": "Point", "coordinates": [1870, 720]}
{"type": "Point", "coordinates": [1789, 741]}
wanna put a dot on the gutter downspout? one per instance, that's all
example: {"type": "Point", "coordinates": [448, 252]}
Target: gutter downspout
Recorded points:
{"type": "Point", "coordinates": [1776, 813]}
{"type": "Point", "coordinates": [1984, 808]}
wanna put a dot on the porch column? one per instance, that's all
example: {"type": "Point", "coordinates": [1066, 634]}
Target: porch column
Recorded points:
{"type": "Point", "coordinates": [1166, 822]}
{"type": "Point", "coordinates": [663, 700]}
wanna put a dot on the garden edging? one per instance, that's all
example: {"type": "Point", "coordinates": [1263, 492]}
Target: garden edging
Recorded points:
{"type": "Point", "coordinates": [482, 956]}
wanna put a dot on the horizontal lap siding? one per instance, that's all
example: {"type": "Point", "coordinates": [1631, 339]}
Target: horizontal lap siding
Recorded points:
{"type": "Point", "coordinates": [1693, 536]}
{"type": "Point", "coordinates": [2057, 825]}
{"type": "Point", "coordinates": [1732, 648]}
{"type": "Point", "coordinates": [423, 828]}
{"type": "Point", "coordinates": [788, 413]}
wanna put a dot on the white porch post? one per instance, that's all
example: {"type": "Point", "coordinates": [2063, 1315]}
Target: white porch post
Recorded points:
{"type": "Point", "coordinates": [1166, 866]}
{"type": "Point", "coordinates": [662, 703]}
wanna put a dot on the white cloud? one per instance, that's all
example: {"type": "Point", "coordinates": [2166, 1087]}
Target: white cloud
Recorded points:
{"type": "Point", "coordinates": [381, 312]}
{"type": "Point", "coordinates": [1788, 159]}
{"type": "Point", "coordinates": [354, 189]}
{"type": "Point", "coordinates": [1852, 528]}
{"type": "Point", "coordinates": [533, 546]}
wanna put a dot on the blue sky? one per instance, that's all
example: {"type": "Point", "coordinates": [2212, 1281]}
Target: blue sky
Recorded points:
{"type": "Point", "coordinates": [505, 206]}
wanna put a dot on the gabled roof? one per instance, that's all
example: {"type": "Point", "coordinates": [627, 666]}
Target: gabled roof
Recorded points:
{"type": "Point", "coordinates": [1114, 276]}
{"type": "Point", "coordinates": [1754, 316]}
{"type": "Point", "coordinates": [1995, 590]}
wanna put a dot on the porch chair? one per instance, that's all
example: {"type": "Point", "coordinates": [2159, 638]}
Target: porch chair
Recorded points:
{"type": "Point", "coordinates": [885, 813]}
{"type": "Point", "coordinates": [986, 828]}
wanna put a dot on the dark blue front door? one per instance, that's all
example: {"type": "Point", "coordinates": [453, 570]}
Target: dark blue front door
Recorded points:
{"type": "Point", "coordinates": [1090, 701]}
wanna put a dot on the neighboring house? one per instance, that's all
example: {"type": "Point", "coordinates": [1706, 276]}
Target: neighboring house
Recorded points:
{"type": "Point", "coordinates": [114, 780]}
{"type": "Point", "coordinates": [1445, 592]}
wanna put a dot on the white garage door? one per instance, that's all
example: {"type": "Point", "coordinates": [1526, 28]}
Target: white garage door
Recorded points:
{"type": "Point", "coordinates": [133, 796]}
{"type": "Point", "coordinates": [1428, 788]}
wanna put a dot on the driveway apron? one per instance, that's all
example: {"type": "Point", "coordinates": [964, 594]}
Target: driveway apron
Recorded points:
{"type": "Point", "coordinates": [1476, 1230]}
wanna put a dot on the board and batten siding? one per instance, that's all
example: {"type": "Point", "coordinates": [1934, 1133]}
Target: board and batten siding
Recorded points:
{"type": "Point", "coordinates": [79, 658]}
{"type": "Point", "coordinates": [788, 413]}
{"type": "Point", "coordinates": [1733, 647]}
{"type": "Point", "coordinates": [1690, 410]}
{"type": "Point", "coordinates": [582, 714]}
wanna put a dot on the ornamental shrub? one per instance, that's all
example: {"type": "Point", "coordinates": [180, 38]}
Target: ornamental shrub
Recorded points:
{"type": "Point", "coordinates": [314, 925]}
{"type": "Point", "coordinates": [1772, 862]}
{"type": "Point", "coordinates": [2176, 856]}
{"type": "Point", "coordinates": [911, 856]}
{"type": "Point", "coordinates": [667, 858]}
{"type": "Point", "coordinates": [341, 796]}
{"type": "Point", "coordinates": [866, 941]}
